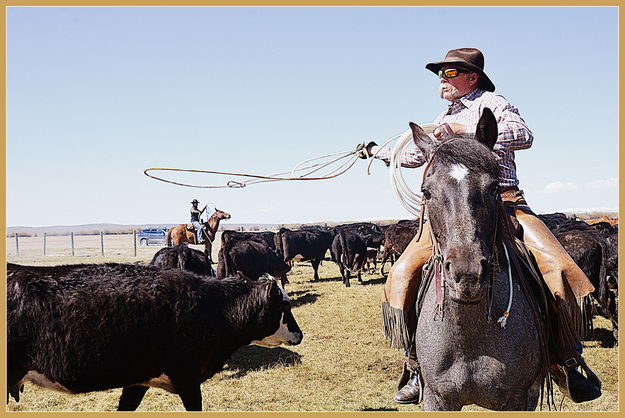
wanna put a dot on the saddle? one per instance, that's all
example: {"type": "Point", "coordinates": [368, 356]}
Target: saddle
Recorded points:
{"type": "Point", "coordinates": [190, 227]}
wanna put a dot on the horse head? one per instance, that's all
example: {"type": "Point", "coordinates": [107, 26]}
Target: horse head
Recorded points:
{"type": "Point", "coordinates": [460, 189]}
{"type": "Point", "coordinates": [220, 214]}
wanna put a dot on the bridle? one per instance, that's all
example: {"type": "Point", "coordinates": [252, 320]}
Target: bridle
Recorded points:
{"type": "Point", "coordinates": [437, 262]}
{"type": "Point", "coordinates": [216, 215]}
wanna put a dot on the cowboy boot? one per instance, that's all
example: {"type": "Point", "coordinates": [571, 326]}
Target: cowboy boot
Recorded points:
{"type": "Point", "coordinates": [572, 383]}
{"type": "Point", "coordinates": [410, 385]}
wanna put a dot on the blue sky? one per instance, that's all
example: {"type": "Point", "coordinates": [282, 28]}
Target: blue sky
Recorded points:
{"type": "Point", "coordinates": [96, 95]}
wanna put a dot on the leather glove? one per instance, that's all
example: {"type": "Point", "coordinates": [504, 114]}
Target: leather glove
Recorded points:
{"type": "Point", "coordinates": [365, 150]}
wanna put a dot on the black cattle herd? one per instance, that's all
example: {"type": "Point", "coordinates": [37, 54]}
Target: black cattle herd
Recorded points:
{"type": "Point", "coordinates": [170, 324]}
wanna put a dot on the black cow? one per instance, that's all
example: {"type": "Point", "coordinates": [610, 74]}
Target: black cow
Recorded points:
{"type": "Point", "coordinates": [311, 244]}
{"type": "Point", "coordinates": [363, 228]}
{"type": "Point", "coordinates": [184, 258]}
{"type": "Point", "coordinates": [266, 236]}
{"type": "Point", "coordinates": [396, 239]}
{"type": "Point", "coordinates": [95, 327]}
{"type": "Point", "coordinates": [594, 248]}
{"type": "Point", "coordinates": [317, 227]}
{"type": "Point", "coordinates": [229, 238]}
{"type": "Point", "coordinates": [349, 252]}
{"type": "Point", "coordinates": [250, 259]}
{"type": "Point", "coordinates": [554, 220]}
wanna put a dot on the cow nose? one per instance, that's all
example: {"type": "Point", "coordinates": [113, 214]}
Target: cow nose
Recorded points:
{"type": "Point", "coordinates": [300, 337]}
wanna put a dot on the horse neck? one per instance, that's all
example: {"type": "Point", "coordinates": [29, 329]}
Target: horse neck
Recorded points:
{"type": "Point", "coordinates": [213, 224]}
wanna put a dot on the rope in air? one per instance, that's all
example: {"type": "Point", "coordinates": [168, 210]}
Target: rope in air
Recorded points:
{"type": "Point", "coordinates": [349, 159]}
{"type": "Point", "coordinates": [322, 167]}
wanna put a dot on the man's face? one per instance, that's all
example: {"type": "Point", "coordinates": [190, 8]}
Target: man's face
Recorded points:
{"type": "Point", "coordinates": [456, 87]}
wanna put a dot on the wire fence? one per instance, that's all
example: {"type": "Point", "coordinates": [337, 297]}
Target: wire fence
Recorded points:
{"type": "Point", "coordinates": [74, 245]}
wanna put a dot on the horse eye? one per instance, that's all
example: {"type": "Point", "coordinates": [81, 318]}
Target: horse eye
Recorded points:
{"type": "Point", "coordinates": [426, 194]}
{"type": "Point", "coordinates": [494, 189]}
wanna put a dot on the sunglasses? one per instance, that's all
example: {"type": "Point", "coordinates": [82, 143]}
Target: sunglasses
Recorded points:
{"type": "Point", "coordinates": [450, 72]}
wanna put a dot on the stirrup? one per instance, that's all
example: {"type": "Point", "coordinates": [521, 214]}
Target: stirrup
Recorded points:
{"type": "Point", "coordinates": [412, 392]}
{"type": "Point", "coordinates": [563, 374]}
{"type": "Point", "coordinates": [405, 376]}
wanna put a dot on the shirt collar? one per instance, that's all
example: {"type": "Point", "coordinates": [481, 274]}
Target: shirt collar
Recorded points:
{"type": "Point", "coordinates": [465, 101]}
{"type": "Point", "coordinates": [468, 98]}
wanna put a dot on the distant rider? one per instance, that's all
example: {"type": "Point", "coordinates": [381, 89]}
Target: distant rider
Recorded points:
{"type": "Point", "coordinates": [195, 220]}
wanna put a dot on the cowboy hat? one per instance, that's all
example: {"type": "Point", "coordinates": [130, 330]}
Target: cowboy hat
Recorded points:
{"type": "Point", "coordinates": [195, 201]}
{"type": "Point", "coordinates": [470, 59]}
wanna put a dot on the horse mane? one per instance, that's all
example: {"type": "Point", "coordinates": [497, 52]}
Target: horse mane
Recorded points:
{"type": "Point", "coordinates": [467, 151]}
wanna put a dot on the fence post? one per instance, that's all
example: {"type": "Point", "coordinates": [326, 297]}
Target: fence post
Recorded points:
{"type": "Point", "coordinates": [45, 238]}
{"type": "Point", "coordinates": [71, 234]}
{"type": "Point", "coordinates": [102, 243]}
{"type": "Point", "coordinates": [17, 244]}
{"type": "Point", "coordinates": [134, 240]}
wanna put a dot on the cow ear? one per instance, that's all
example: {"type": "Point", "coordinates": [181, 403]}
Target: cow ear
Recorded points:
{"type": "Point", "coordinates": [422, 140]}
{"type": "Point", "coordinates": [269, 283]}
{"type": "Point", "coordinates": [486, 132]}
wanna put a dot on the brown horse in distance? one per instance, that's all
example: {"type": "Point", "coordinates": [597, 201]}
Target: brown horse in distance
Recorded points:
{"type": "Point", "coordinates": [179, 234]}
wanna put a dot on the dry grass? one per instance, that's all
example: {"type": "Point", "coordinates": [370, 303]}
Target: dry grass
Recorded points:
{"type": "Point", "coordinates": [343, 363]}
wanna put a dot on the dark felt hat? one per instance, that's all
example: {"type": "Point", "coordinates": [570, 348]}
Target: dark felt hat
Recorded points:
{"type": "Point", "coordinates": [470, 59]}
{"type": "Point", "coordinates": [195, 201]}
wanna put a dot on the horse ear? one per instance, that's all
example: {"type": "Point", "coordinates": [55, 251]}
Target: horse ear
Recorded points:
{"type": "Point", "coordinates": [422, 140]}
{"type": "Point", "coordinates": [486, 132]}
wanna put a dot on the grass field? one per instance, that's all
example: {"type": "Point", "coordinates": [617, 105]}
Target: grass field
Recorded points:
{"type": "Point", "coordinates": [343, 363]}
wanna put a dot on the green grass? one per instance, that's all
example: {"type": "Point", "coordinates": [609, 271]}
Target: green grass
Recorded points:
{"type": "Point", "coordinates": [343, 364]}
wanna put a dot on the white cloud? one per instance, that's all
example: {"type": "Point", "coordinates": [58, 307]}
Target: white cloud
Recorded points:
{"type": "Point", "coordinates": [558, 186]}
{"type": "Point", "coordinates": [601, 184]}
{"type": "Point", "coordinates": [611, 183]}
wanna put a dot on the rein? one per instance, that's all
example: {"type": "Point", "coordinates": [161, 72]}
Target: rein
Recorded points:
{"type": "Point", "coordinates": [213, 216]}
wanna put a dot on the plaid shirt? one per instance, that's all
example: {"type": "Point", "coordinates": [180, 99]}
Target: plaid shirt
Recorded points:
{"type": "Point", "coordinates": [513, 135]}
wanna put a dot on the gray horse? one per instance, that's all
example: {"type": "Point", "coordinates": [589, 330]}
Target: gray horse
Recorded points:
{"type": "Point", "coordinates": [466, 355]}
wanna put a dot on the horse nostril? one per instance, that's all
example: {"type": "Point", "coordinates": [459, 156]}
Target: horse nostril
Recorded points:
{"type": "Point", "coordinates": [447, 266]}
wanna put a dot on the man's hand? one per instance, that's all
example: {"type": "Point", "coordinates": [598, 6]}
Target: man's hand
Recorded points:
{"type": "Point", "coordinates": [365, 152]}
{"type": "Point", "coordinates": [453, 128]}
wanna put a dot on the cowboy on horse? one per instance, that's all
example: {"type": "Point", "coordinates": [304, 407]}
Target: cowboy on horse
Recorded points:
{"type": "Point", "coordinates": [195, 220]}
{"type": "Point", "coordinates": [464, 84]}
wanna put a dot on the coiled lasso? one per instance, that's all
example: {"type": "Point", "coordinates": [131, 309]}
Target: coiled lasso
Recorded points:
{"type": "Point", "coordinates": [410, 199]}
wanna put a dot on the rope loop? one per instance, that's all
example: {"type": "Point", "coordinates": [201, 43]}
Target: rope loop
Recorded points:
{"type": "Point", "coordinates": [335, 164]}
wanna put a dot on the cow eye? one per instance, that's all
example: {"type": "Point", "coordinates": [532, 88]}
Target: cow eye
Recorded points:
{"type": "Point", "coordinates": [426, 194]}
